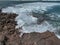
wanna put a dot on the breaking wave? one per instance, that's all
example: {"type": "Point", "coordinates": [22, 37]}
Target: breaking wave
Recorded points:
{"type": "Point", "coordinates": [29, 14]}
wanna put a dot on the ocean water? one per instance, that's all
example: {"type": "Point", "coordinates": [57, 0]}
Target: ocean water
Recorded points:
{"type": "Point", "coordinates": [28, 22]}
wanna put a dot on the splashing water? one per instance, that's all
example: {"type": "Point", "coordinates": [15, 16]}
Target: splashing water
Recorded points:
{"type": "Point", "coordinates": [27, 21]}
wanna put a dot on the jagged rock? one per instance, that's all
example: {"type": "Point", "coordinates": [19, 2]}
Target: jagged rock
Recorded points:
{"type": "Point", "coordinates": [8, 33]}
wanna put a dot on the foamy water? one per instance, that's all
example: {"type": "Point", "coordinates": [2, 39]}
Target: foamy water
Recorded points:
{"type": "Point", "coordinates": [27, 21]}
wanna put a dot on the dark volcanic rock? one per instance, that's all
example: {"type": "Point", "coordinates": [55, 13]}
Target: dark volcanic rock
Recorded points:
{"type": "Point", "coordinates": [8, 34]}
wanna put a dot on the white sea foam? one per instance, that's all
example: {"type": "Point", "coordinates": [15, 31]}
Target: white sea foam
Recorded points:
{"type": "Point", "coordinates": [26, 20]}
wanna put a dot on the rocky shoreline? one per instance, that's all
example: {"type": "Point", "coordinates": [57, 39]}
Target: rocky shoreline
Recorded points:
{"type": "Point", "coordinates": [9, 35]}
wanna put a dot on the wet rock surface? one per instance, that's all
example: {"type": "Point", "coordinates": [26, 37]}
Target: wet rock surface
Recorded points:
{"type": "Point", "coordinates": [9, 35]}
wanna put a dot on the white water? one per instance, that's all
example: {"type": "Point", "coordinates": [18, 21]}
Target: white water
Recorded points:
{"type": "Point", "coordinates": [26, 20]}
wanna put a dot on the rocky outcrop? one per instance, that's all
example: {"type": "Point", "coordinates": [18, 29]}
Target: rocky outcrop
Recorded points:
{"type": "Point", "coordinates": [8, 34]}
{"type": "Point", "coordinates": [46, 38]}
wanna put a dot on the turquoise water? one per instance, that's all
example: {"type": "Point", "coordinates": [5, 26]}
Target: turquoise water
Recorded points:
{"type": "Point", "coordinates": [11, 3]}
